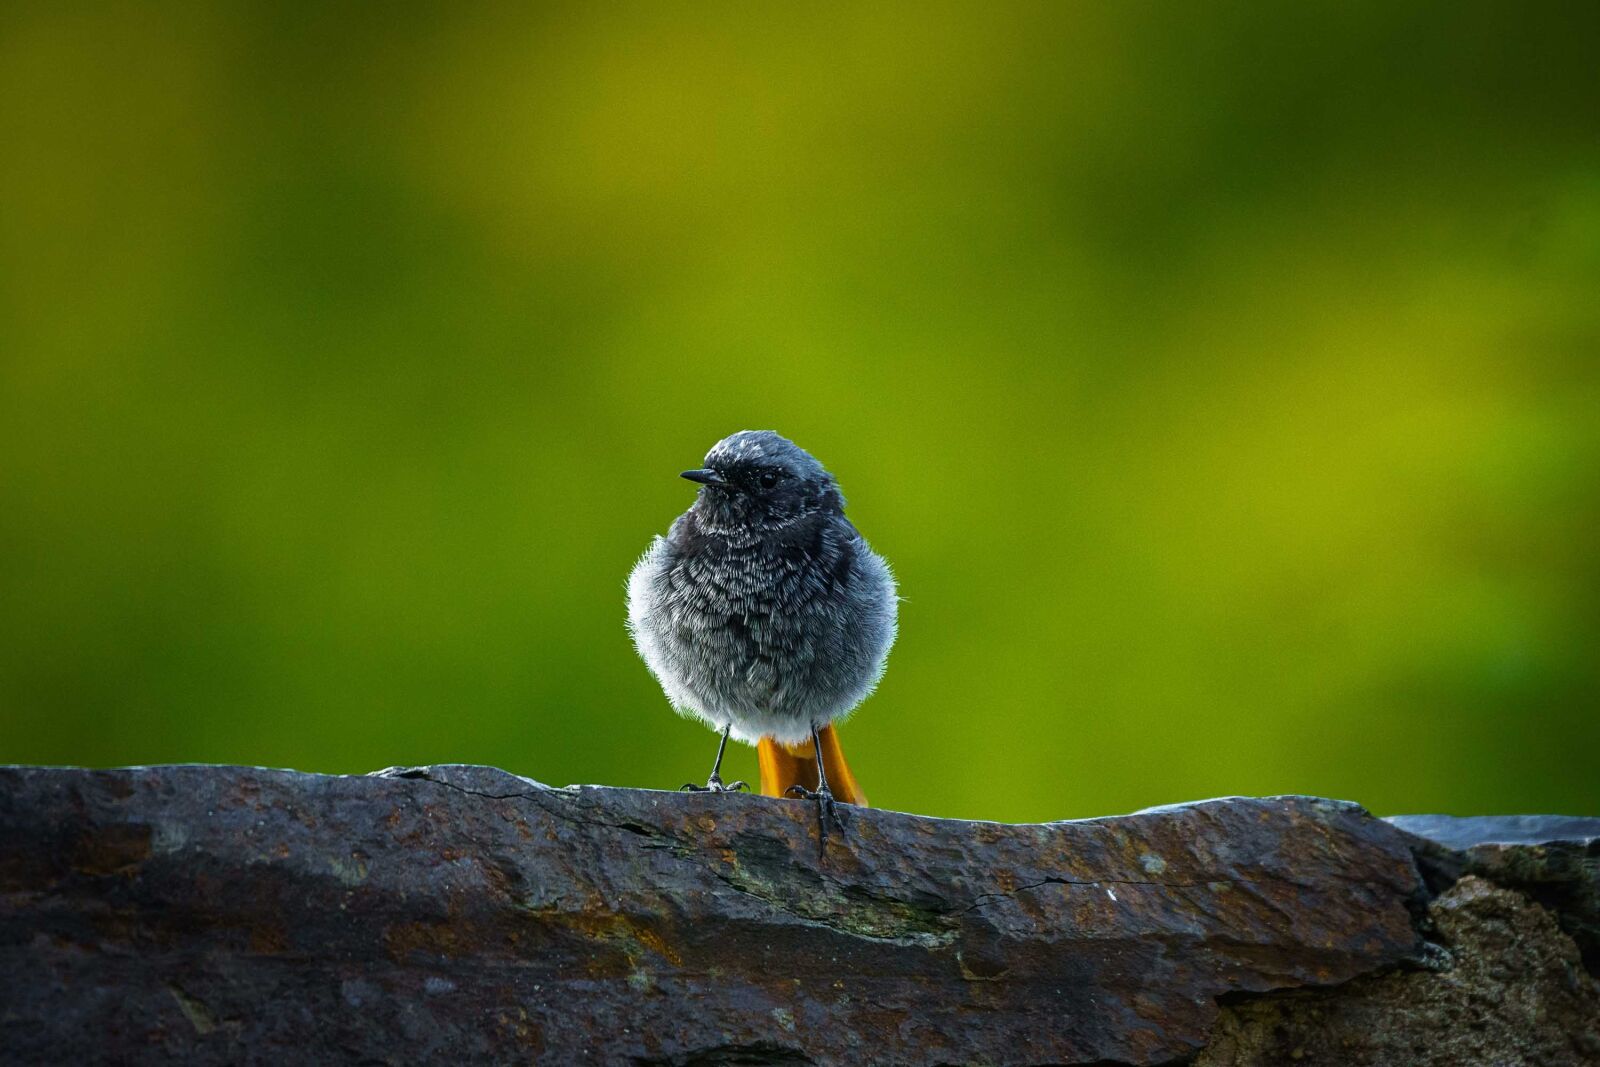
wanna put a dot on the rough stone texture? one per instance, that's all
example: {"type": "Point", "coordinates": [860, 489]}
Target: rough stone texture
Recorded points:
{"type": "Point", "coordinates": [1510, 991]}
{"type": "Point", "coordinates": [462, 914]}
{"type": "Point", "coordinates": [200, 912]}
{"type": "Point", "coordinates": [1554, 859]}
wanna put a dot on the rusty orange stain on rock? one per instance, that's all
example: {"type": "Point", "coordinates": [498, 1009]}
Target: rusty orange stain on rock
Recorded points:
{"type": "Point", "coordinates": [268, 940]}
{"type": "Point", "coordinates": [115, 849]}
{"type": "Point", "coordinates": [450, 938]}
{"type": "Point", "coordinates": [621, 931]}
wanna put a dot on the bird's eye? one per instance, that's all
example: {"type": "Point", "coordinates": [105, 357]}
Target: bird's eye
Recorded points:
{"type": "Point", "coordinates": [768, 480]}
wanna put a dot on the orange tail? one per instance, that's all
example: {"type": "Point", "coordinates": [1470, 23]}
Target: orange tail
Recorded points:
{"type": "Point", "coordinates": [785, 765]}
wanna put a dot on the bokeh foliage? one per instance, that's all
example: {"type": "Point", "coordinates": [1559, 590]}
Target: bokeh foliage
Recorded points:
{"type": "Point", "coordinates": [1222, 380]}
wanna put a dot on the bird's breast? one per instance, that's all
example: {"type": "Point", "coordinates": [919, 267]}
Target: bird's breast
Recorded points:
{"type": "Point", "coordinates": [738, 583]}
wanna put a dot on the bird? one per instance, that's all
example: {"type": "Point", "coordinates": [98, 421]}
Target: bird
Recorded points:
{"type": "Point", "coordinates": [764, 614]}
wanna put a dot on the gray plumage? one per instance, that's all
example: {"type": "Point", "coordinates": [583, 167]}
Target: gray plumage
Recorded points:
{"type": "Point", "coordinates": [763, 608]}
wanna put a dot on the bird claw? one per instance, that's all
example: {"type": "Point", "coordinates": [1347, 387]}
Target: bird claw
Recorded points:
{"type": "Point", "coordinates": [827, 811]}
{"type": "Point", "coordinates": [713, 785]}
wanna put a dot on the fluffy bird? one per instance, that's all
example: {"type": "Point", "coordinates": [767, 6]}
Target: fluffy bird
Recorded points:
{"type": "Point", "coordinates": [764, 614]}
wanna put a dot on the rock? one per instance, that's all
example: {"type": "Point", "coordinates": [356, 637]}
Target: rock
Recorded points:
{"type": "Point", "coordinates": [194, 913]}
{"type": "Point", "coordinates": [1465, 831]}
{"type": "Point", "coordinates": [465, 915]}
{"type": "Point", "coordinates": [1554, 859]}
{"type": "Point", "coordinates": [1511, 991]}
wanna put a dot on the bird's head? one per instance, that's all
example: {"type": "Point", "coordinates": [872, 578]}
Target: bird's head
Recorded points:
{"type": "Point", "coordinates": [759, 480]}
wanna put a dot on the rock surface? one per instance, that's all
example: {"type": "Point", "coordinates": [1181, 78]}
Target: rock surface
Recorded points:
{"type": "Point", "coordinates": [1509, 990]}
{"type": "Point", "coordinates": [1554, 859]}
{"type": "Point", "coordinates": [227, 914]}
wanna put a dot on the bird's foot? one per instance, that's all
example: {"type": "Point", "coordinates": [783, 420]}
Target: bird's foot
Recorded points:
{"type": "Point", "coordinates": [713, 785]}
{"type": "Point", "coordinates": [827, 811]}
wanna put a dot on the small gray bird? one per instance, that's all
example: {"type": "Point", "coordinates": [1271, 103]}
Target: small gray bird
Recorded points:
{"type": "Point", "coordinates": [763, 612]}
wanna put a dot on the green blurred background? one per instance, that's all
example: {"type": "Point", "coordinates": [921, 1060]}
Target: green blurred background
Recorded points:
{"type": "Point", "coordinates": [1223, 382]}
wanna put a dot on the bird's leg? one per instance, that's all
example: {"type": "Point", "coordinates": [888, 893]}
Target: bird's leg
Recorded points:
{"type": "Point", "coordinates": [827, 809]}
{"type": "Point", "coordinates": [714, 783]}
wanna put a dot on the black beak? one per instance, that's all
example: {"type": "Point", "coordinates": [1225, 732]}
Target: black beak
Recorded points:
{"type": "Point", "coordinates": [705, 477]}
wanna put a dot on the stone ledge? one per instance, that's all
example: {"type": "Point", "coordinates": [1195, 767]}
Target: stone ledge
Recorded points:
{"type": "Point", "coordinates": [463, 914]}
